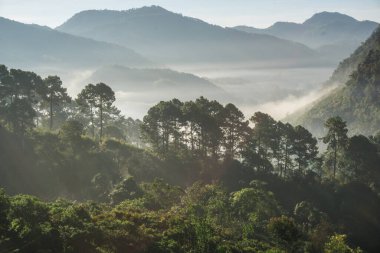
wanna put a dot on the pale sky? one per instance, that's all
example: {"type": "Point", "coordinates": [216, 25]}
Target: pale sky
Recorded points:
{"type": "Point", "coordinates": [257, 13]}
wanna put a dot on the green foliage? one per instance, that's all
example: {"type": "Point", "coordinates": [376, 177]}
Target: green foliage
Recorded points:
{"type": "Point", "coordinates": [337, 244]}
{"type": "Point", "coordinates": [255, 200]}
{"type": "Point", "coordinates": [29, 224]}
{"type": "Point", "coordinates": [55, 94]}
{"type": "Point", "coordinates": [304, 147]}
{"type": "Point", "coordinates": [307, 215]}
{"type": "Point", "coordinates": [4, 209]}
{"type": "Point", "coordinates": [98, 97]}
{"type": "Point", "coordinates": [161, 195]}
{"type": "Point", "coordinates": [285, 230]}
{"type": "Point", "coordinates": [201, 127]}
{"type": "Point", "coordinates": [362, 160]}
{"type": "Point", "coordinates": [336, 139]}
{"type": "Point", "coordinates": [164, 218]}
{"type": "Point", "coordinates": [126, 189]}
{"type": "Point", "coordinates": [71, 131]}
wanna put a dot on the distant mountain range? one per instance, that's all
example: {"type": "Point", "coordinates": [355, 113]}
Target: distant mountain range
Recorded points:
{"type": "Point", "coordinates": [130, 49]}
{"type": "Point", "coordinates": [332, 34]}
{"type": "Point", "coordinates": [168, 37]}
{"type": "Point", "coordinates": [24, 45]}
{"type": "Point", "coordinates": [104, 37]}
{"type": "Point", "coordinates": [357, 102]}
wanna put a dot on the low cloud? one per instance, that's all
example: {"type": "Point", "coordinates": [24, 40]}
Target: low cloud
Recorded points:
{"type": "Point", "coordinates": [281, 108]}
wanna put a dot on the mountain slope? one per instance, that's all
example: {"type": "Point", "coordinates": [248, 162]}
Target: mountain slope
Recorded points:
{"type": "Point", "coordinates": [24, 45]}
{"type": "Point", "coordinates": [139, 89]}
{"type": "Point", "coordinates": [151, 80]}
{"type": "Point", "coordinates": [358, 102]}
{"type": "Point", "coordinates": [347, 66]}
{"type": "Point", "coordinates": [331, 33]}
{"type": "Point", "coordinates": [168, 37]}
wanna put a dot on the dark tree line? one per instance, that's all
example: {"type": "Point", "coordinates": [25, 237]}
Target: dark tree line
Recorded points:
{"type": "Point", "coordinates": [200, 130]}
{"type": "Point", "coordinates": [204, 129]}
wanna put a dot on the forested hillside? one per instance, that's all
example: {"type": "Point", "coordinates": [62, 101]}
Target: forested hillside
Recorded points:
{"type": "Point", "coordinates": [193, 176]}
{"type": "Point", "coordinates": [357, 102]}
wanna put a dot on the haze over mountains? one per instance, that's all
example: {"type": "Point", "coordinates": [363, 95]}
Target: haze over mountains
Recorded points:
{"type": "Point", "coordinates": [333, 34]}
{"type": "Point", "coordinates": [172, 38]}
{"type": "Point", "coordinates": [144, 53]}
{"type": "Point", "coordinates": [143, 79]}
{"type": "Point", "coordinates": [24, 45]}
{"type": "Point", "coordinates": [138, 88]}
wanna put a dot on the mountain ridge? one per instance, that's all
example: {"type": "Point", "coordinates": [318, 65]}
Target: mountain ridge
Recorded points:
{"type": "Point", "coordinates": [122, 75]}
{"type": "Point", "coordinates": [320, 18]}
{"type": "Point", "coordinates": [165, 36]}
{"type": "Point", "coordinates": [334, 35]}
{"type": "Point", "coordinates": [30, 44]}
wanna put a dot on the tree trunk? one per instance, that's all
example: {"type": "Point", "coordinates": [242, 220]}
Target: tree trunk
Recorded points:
{"type": "Point", "coordinates": [299, 166]}
{"type": "Point", "coordinates": [192, 136]}
{"type": "Point", "coordinates": [335, 155]}
{"type": "Point", "coordinates": [286, 159]}
{"type": "Point", "coordinates": [92, 122]}
{"type": "Point", "coordinates": [101, 120]}
{"type": "Point", "coordinates": [51, 111]}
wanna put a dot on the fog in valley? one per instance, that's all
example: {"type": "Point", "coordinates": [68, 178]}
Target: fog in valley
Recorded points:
{"type": "Point", "coordinates": [277, 91]}
{"type": "Point", "coordinates": [151, 54]}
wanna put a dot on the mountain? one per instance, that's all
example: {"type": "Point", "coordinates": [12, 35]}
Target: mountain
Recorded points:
{"type": "Point", "coordinates": [347, 66]}
{"type": "Point", "coordinates": [333, 34]}
{"type": "Point", "coordinates": [133, 79]}
{"type": "Point", "coordinates": [155, 81]}
{"type": "Point", "coordinates": [358, 102]}
{"type": "Point", "coordinates": [23, 45]}
{"type": "Point", "coordinates": [139, 89]}
{"type": "Point", "coordinates": [172, 38]}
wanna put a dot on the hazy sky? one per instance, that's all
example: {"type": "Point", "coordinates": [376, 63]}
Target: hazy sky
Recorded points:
{"type": "Point", "coordinates": [258, 13]}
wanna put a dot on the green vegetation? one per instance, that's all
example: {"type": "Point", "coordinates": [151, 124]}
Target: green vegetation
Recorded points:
{"type": "Point", "coordinates": [192, 176]}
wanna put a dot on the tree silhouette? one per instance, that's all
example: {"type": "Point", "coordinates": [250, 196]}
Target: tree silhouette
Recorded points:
{"type": "Point", "coordinates": [104, 97]}
{"type": "Point", "coordinates": [55, 94]}
{"type": "Point", "coordinates": [336, 138]}
{"type": "Point", "coordinates": [98, 97]}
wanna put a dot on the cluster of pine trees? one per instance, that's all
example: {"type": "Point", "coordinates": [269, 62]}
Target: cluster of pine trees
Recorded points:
{"type": "Point", "coordinates": [206, 130]}
{"type": "Point", "coordinates": [29, 101]}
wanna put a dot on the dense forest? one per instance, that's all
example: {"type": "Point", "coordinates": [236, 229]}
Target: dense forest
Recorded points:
{"type": "Point", "coordinates": [192, 176]}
